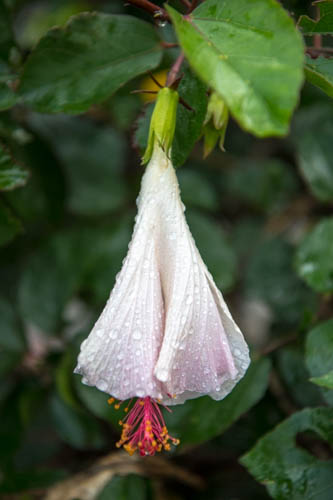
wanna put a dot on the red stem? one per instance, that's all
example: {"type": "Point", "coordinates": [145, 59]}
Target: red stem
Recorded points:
{"type": "Point", "coordinates": [150, 7]}
{"type": "Point", "coordinates": [173, 73]}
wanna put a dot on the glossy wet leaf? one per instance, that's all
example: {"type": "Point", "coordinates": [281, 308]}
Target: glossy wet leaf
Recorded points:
{"type": "Point", "coordinates": [12, 175]}
{"type": "Point", "coordinates": [87, 60]}
{"type": "Point", "coordinates": [315, 155]}
{"type": "Point", "coordinates": [200, 419]}
{"type": "Point", "coordinates": [189, 122]}
{"type": "Point", "coordinates": [323, 25]}
{"type": "Point", "coordinates": [250, 53]}
{"type": "Point", "coordinates": [314, 258]}
{"type": "Point", "coordinates": [287, 470]}
{"type": "Point", "coordinates": [324, 381]}
{"type": "Point", "coordinates": [130, 487]}
{"type": "Point", "coordinates": [319, 348]}
{"type": "Point", "coordinates": [319, 72]}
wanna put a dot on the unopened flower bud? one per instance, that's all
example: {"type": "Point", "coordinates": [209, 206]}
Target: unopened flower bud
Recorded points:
{"type": "Point", "coordinates": [163, 123]}
{"type": "Point", "coordinates": [215, 124]}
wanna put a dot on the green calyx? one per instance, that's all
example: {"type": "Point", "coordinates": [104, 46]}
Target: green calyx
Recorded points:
{"type": "Point", "coordinates": [215, 124]}
{"type": "Point", "coordinates": [163, 123]}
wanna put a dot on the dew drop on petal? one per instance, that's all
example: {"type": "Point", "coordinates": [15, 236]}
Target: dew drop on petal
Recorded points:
{"type": "Point", "coordinates": [137, 335]}
{"type": "Point", "coordinates": [99, 332]}
{"type": "Point", "coordinates": [189, 300]}
{"type": "Point", "coordinates": [113, 334]}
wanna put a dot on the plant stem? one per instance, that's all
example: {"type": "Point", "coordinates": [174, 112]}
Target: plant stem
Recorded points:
{"type": "Point", "coordinates": [173, 73]}
{"type": "Point", "coordinates": [151, 7]}
{"type": "Point", "coordinates": [317, 38]}
{"type": "Point", "coordinates": [316, 51]}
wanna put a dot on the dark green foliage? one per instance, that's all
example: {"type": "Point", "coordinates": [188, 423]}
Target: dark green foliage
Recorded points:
{"type": "Point", "coordinates": [261, 216]}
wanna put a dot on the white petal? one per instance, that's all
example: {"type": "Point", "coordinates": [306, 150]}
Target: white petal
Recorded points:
{"type": "Point", "coordinates": [203, 350]}
{"type": "Point", "coordinates": [120, 353]}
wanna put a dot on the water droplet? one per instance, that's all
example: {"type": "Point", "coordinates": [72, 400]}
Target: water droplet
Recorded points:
{"type": "Point", "coordinates": [120, 356]}
{"type": "Point", "coordinates": [126, 382]}
{"type": "Point", "coordinates": [100, 332]}
{"type": "Point", "coordinates": [189, 300]}
{"type": "Point", "coordinates": [136, 335]}
{"type": "Point", "coordinates": [183, 319]}
{"type": "Point", "coordinates": [196, 289]}
{"type": "Point", "coordinates": [146, 264]}
{"type": "Point", "coordinates": [191, 331]}
{"type": "Point", "coordinates": [172, 236]}
{"type": "Point", "coordinates": [113, 334]}
{"type": "Point", "coordinates": [140, 393]}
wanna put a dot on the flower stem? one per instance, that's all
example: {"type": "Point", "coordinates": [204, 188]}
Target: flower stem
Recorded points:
{"type": "Point", "coordinates": [173, 73]}
{"type": "Point", "coordinates": [152, 8]}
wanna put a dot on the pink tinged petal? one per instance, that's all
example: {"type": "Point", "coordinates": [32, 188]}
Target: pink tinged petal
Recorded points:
{"type": "Point", "coordinates": [121, 351]}
{"type": "Point", "coordinates": [203, 350]}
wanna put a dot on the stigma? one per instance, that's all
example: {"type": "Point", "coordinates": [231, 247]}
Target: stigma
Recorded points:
{"type": "Point", "coordinates": [144, 428]}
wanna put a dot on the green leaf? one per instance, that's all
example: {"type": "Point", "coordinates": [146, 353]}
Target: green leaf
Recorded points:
{"type": "Point", "coordinates": [292, 368]}
{"type": "Point", "coordinates": [214, 248]}
{"type": "Point", "coordinates": [324, 381]}
{"type": "Point", "coordinates": [6, 34]}
{"type": "Point", "coordinates": [314, 258]}
{"type": "Point", "coordinates": [87, 60]}
{"type": "Point", "coordinates": [97, 403]}
{"type": "Point", "coordinates": [48, 281]}
{"type": "Point", "coordinates": [12, 175]}
{"type": "Point", "coordinates": [201, 419]}
{"type": "Point", "coordinates": [319, 72]}
{"type": "Point", "coordinates": [250, 53]}
{"type": "Point", "coordinates": [197, 190]}
{"type": "Point", "coordinates": [270, 277]}
{"type": "Point", "coordinates": [287, 470]}
{"type": "Point", "coordinates": [315, 153]}
{"type": "Point", "coordinates": [93, 159]}
{"type": "Point", "coordinates": [12, 344]}
{"type": "Point", "coordinates": [10, 226]}
{"type": "Point", "coordinates": [319, 348]}
{"type": "Point", "coordinates": [131, 487]}
{"type": "Point", "coordinates": [324, 25]}
{"type": "Point", "coordinates": [268, 185]}
{"type": "Point", "coordinates": [74, 427]}
{"type": "Point", "coordinates": [7, 97]}
{"type": "Point", "coordinates": [188, 124]}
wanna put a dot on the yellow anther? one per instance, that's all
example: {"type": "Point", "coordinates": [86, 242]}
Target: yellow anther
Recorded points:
{"type": "Point", "coordinates": [120, 422]}
{"type": "Point", "coordinates": [126, 409]}
{"type": "Point", "coordinates": [141, 403]}
{"type": "Point", "coordinates": [167, 447]}
{"type": "Point", "coordinates": [154, 443]}
{"type": "Point", "coordinates": [117, 406]}
{"type": "Point", "coordinates": [110, 401]}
